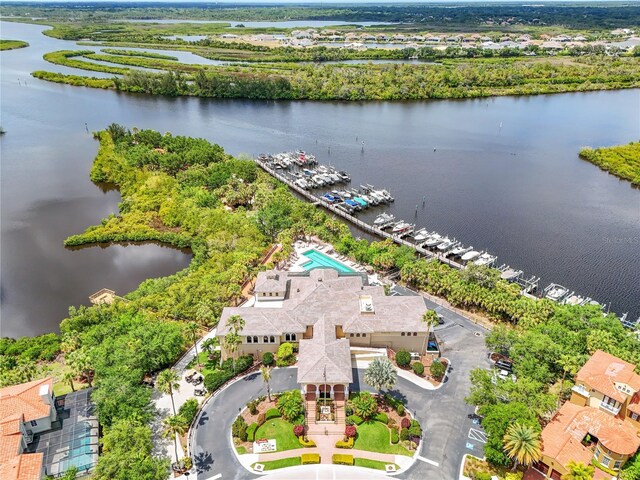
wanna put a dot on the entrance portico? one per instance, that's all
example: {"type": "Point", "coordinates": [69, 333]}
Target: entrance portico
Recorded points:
{"type": "Point", "coordinates": [333, 391]}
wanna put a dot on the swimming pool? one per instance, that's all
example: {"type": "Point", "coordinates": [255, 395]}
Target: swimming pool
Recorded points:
{"type": "Point", "coordinates": [320, 260]}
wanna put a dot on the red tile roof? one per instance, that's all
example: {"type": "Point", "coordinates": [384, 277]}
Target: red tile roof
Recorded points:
{"type": "Point", "coordinates": [25, 399]}
{"type": "Point", "coordinates": [634, 404]}
{"type": "Point", "coordinates": [603, 369]}
{"type": "Point", "coordinates": [20, 403]}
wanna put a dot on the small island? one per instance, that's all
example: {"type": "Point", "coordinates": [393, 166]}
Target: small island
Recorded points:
{"type": "Point", "coordinates": [12, 44]}
{"type": "Point", "coordinates": [623, 161]}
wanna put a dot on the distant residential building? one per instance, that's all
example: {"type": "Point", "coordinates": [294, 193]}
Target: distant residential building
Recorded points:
{"type": "Point", "coordinates": [600, 424]}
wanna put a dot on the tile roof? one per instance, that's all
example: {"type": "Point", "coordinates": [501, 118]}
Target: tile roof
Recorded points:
{"type": "Point", "coordinates": [325, 294]}
{"type": "Point", "coordinates": [24, 399]}
{"type": "Point", "coordinates": [20, 403]}
{"type": "Point", "coordinates": [601, 372]}
{"type": "Point", "coordinates": [324, 358]}
{"type": "Point", "coordinates": [562, 437]}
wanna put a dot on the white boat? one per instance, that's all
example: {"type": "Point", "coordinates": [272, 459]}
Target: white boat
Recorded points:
{"type": "Point", "coordinates": [401, 227]}
{"type": "Point", "coordinates": [387, 195]}
{"type": "Point", "coordinates": [369, 200]}
{"type": "Point", "coordinates": [471, 255]}
{"type": "Point", "coordinates": [433, 240]}
{"type": "Point", "coordinates": [460, 250]}
{"type": "Point", "coordinates": [378, 197]}
{"type": "Point", "coordinates": [574, 299]}
{"type": "Point", "coordinates": [556, 292]}
{"type": "Point", "coordinates": [421, 235]}
{"type": "Point", "coordinates": [485, 259]}
{"type": "Point", "coordinates": [383, 218]}
{"type": "Point", "coordinates": [446, 244]}
{"type": "Point", "coordinates": [510, 274]}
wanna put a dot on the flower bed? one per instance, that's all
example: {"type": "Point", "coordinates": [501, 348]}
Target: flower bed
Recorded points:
{"type": "Point", "coordinates": [478, 469]}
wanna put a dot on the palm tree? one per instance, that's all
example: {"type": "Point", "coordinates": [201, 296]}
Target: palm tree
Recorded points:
{"type": "Point", "coordinates": [209, 345]}
{"type": "Point", "coordinates": [522, 444]}
{"type": "Point", "coordinates": [231, 342]}
{"type": "Point", "coordinates": [167, 382]}
{"type": "Point", "coordinates": [381, 374]}
{"type": "Point", "coordinates": [430, 318]}
{"type": "Point", "coordinates": [68, 377]}
{"type": "Point", "coordinates": [266, 378]}
{"type": "Point", "coordinates": [80, 364]}
{"type": "Point", "coordinates": [193, 328]}
{"type": "Point", "coordinates": [578, 471]}
{"type": "Point", "coordinates": [569, 364]}
{"type": "Point", "coordinates": [26, 370]}
{"type": "Point", "coordinates": [173, 426]}
{"type": "Point", "coordinates": [235, 323]}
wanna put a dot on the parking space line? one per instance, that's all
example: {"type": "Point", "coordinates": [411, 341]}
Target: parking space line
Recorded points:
{"type": "Point", "coordinates": [426, 460]}
{"type": "Point", "coordinates": [216, 477]}
{"type": "Point", "coordinates": [478, 435]}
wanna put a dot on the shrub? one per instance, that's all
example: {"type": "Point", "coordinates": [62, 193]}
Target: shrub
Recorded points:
{"type": "Point", "coordinates": [400, 410]}
{"type": "Point", "coordinates": [188, 410]}
{"type": "Point", "coordinates": [285, 356]}
{"type": "Point", "coordinates": [261, 419]}
{"type": "Point", "coordinates": [356, 419]}
{"type": "Point", "coordinates": [341, 459]}
{"type": "Point", "coordinates": [418, 368]}
{"type": "Point", "coordinates": [364, 405]}
{"type": "Point", "coordinates": [309, 458]}
{"type": "Point", "coordinates": [381, 417]}
{"type": "Point", "coordinates": [391, 422]}
{"type": "Point", "coordinates": [481, 476]}
{"type": "Point", "coordinates": [290, 405]}
{"type": "Point", "coordinates": [394, 435]}
{"type": "Point", "coordinates": [415, 430]}
{"type": "Point", "coordinates": [348, 421]}
{"type": "Point", "coordinates": [271, 414]}
{"type": "Point", "coordinates": [403, 358]}
{"type": "Point", "coordinates": [514, 476]}
{"type": "Point", "coordinates": [243, 363]}
{"type": "Point", "coordinates": [253, 407]}
{"type": "Point", "coordinates": [251, 432]}
{"type": "Point", "coordinates": [404, 434]}
{"type": "Point", "coordinates": [437, 369]}
{"type": "Point", "coordinates": [345, 443]}
{"type": "Point", "coordinates": [239, 429]}
{"type": "Point", "coordinates": [214, 380]}
{"type": "Point", "coordinates": [267, 359]}
{"type": "Point", "coordinates": [405, 423]}
{"type": "Point", "coordinates": [298, 430]}
{"type": "Point", "coordinates": [348, 410]}
{"type": "Point", "coordinates": [350, 431]}
{"type": "Point", "coordinates": [305, 442]}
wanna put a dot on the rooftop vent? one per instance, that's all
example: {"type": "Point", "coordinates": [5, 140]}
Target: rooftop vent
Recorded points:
{"type": "Point", "coordinates": [366, 304]}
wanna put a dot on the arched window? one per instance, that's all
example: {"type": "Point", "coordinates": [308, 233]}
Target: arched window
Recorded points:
{"type": "Point", "coordinates": [402, 334]}
{"type": "Point", "coordinates": [255, 339]}
{"type": "Point", "coordinates": [287, 337]}
{"type": "Point", "coordinates": [249, 339]}
{"type": "Point", "coordinates": [265, 339]}
{"type": "Point", "coordinates": [272, 339]}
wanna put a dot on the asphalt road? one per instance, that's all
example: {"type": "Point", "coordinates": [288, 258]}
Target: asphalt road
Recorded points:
{"type": "Point", "coordinates": [443, 413]}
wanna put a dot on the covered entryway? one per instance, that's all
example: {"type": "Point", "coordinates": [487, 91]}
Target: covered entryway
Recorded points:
{"type": "Point", "coordinates": [324, 391]}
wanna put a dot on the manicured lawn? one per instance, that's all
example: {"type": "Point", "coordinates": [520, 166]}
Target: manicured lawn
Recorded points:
{"type": "Point", "coordinates": [282, 431]}
{"type": "Point", "coordinates": [241, 450]}
{"type": "Point", "coordinates": [283, 462]}
{"type": "Point", "coordinates": [376, 464]}
{"type": "Point", "coordinates": [376, 437]}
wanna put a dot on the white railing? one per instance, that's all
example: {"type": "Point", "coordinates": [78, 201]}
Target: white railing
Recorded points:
{"type": "Point", "coordinates": [579, 389]}
{"type": "Point", "coordinates": [609, 408]}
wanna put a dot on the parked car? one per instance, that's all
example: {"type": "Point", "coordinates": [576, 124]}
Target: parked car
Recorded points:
{"type": "Point", "coordinates": [200, 392]}
{"type": "Point", "coordinates": [504, 365]}
{"type": "Point", "coordinates": [189, 375]}
{"type": "Point", "coordinates": [197, 380]}
{"type": "Point", "coordinates": [440, 320]}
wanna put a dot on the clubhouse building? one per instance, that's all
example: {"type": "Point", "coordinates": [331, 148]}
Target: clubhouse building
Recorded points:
{"type": "Point", "coordinates": [326, 313]}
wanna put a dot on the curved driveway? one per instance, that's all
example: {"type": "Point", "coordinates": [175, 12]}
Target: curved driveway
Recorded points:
{"type": "Point", "coordinates": [442, 413]}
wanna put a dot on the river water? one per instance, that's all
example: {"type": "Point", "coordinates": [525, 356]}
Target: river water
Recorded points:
{"type": "Point", "coordinates": [500, 174]}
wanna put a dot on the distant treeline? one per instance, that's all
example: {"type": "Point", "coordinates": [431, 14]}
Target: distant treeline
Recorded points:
{"type": "Point", "coordinates": [596, 16]}
{"type": "Point", "coordinates": [455, 79]}
{"type": "Point", "coordinates": [621, 160]}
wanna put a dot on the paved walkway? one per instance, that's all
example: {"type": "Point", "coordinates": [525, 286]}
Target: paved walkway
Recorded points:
{"type": "Point", "coordinates": [326, 451]}
{"type": "Point", "coordinates": [165, 446]}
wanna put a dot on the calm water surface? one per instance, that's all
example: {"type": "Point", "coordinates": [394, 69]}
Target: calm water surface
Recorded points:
{"type": "Point", "coordinates": [519, 191]}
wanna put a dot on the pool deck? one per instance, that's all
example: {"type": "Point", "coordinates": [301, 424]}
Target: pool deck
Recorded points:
{"type": "Point", "coordinates": [301, 248]}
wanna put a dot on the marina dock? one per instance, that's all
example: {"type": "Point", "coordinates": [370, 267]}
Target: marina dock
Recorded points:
{"type": "Point", "coordinates": [302, 185]}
